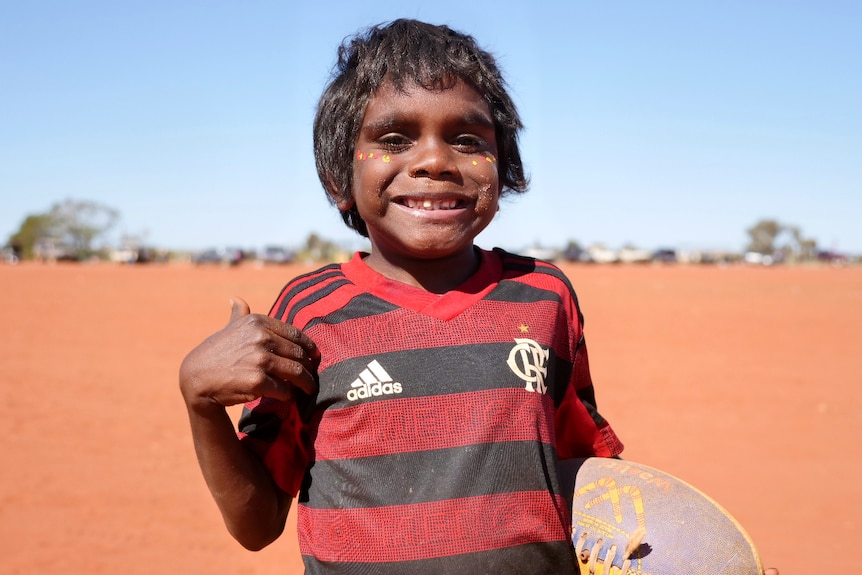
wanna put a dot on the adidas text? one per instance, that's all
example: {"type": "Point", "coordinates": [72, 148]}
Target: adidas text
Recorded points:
{"type": "Point", "coordinates": [374, 390]}
{"type": "Point", "coordinates": [374, 381]}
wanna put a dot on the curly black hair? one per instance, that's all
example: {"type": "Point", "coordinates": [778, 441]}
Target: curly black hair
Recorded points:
{"type": "Point", "coordinates": [402, 52]}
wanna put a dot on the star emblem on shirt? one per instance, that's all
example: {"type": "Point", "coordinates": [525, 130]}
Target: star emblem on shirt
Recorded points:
{"type": "Point", "coordinates": [523, 328]}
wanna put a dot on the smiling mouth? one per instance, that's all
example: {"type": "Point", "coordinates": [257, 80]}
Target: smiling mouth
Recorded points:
{"type": "Point", "coordinates": [430, 205]}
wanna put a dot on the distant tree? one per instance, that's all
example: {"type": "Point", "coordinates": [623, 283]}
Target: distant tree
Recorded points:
{"type": "Point", "coordinates": [795, 247]}
{"type": "Point", "coordinates": [766, 235]}
{"type": "Point", "coordinates": [81, 222]}
{"type": "Point", "coordinates": [318, 249]}
{"type": "Point", "coordinates": [33, 229]}
{"type": "Point", "coordinates": [762, 236]}
{"type": "Point", "coordinates": [802, 248]}
{"type": "Point", "coordinates": [75, 224]}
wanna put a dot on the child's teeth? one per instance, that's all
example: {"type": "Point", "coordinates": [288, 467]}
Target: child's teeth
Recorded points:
{"type": "Point", "coordinates": [431, 204]}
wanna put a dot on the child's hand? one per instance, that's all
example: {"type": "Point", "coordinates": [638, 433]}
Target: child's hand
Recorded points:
{"type": "Point", "coordinates": [253, 356]}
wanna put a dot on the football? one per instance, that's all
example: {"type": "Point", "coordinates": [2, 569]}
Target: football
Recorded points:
{"type": "Point", "coordinates": [629, 518]}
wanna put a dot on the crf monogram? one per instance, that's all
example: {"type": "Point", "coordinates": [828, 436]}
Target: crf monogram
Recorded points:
{"type": "Point", "coordinates": [529, 362]}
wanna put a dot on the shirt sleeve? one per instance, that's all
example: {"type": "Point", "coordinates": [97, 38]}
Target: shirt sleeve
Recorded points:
{"type": "Point", "coordinates": [274, 431]}
{"type": "Point", "coordinates": [277, 431]}
{"type": "Point", "coordinates": [581, 430]}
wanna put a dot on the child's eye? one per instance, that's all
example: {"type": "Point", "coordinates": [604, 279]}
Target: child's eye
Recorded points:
{"type": "Point", "coordinates": [394, 142]}
{"type": "Point", "coordinates": [469, 143]}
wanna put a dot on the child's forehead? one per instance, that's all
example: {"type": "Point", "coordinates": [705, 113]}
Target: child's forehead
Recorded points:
{"type": "Point", "coordinates": [459, 102]}
{"type": "Point", "coordinates": [428, 83]}
{"type": "Point", "coordinates": [407, 89]}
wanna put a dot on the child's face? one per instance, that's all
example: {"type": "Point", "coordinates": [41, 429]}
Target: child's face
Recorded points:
{"type": "Point", "coordinates": [425, 176]}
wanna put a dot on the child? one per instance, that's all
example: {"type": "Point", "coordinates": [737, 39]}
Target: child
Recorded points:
{"type": "Point", "coordinates": [415, 400]}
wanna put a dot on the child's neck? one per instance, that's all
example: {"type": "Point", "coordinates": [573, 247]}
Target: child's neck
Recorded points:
{"type": "Point", "coordinates": [438, 275]}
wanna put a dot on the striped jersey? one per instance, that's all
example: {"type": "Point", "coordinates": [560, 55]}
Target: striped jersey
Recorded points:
{"type": "Point", "coordinates": [432, 444]}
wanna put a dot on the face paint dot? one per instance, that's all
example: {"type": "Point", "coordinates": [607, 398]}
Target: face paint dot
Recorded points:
{"type": "Point", "coordinates": [489, 159]}
{"type": "Point", "coordinates": [370, 155]}
{"type": "Point", "coordinates": [386, 158]}
{"type": "Point", "coordinates": [360, 156]}
{"type": "Point", "coordinates": [475, 163]}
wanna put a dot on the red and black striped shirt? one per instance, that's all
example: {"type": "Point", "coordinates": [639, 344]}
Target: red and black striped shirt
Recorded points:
{"type": "Point", "coordinates": [432, 444]}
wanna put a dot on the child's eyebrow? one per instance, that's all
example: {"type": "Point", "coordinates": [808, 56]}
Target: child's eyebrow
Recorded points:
{"type": "Point", "coordinates": [383, 125]}
{"type": "Point", "coordinates": [475, 118]}
{"type": "Point", "coordinates": [478, 118]}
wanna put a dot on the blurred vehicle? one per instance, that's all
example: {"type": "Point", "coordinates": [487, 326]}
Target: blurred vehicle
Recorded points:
{"type": "Point", "coordinates": [574, 253]}
{"type": "Point", "coordinates": [756, 258]}
{"type": "Point", "coordinates": [633, 255]}
{"type": "Point", "coordinates": [540, 253]}
{"type": "Point", "coordinates": [831, 257]}
{"type": "Point", "coordinates": [9, 256]}
{"type": "Point", "coordinates": [133, 255]}
{"type": "Point", "coordinates": [51, 250]}
{"type": "Point", "coordinates": [277, 255]}
{"type": "Point", "coordinates": [599, 254]}
{"type": "Point", "coordinates": [665, 255]}
{"type": "Point", "coordinates": [224, 256]}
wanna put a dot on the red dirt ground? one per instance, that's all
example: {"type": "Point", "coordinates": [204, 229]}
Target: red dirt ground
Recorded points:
{"type": "Point", "coordinates": [743, 381]}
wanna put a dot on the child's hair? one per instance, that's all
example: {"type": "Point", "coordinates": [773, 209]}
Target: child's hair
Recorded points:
{"type": "Point", "coordinates": [404, 52]}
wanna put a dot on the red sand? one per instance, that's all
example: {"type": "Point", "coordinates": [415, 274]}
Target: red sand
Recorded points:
{"type": "Point", "coordinates": [743, 381]}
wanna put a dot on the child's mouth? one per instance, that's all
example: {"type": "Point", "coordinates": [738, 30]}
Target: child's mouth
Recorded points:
{"type": "Point", "coordinates": [430, 205]}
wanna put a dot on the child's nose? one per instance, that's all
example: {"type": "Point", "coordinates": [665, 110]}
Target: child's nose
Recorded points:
{"type": "Point", "coordinates": [433, 159]}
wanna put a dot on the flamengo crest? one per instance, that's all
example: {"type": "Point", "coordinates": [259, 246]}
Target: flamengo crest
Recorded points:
{"type": "Point", "coordinates": [528, 360]}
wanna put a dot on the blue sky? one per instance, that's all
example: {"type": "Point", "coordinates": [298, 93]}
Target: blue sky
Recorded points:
{"type": "Point", "coordinates": [657, 123]}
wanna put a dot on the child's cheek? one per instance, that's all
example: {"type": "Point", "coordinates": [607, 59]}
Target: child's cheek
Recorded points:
{"type": "Point", "coordinates": [484, 161]}
{"type": "Point", "coordinates": [488, 182]}
{"type": "Point", "coordinates": [486, 164]}
{"type": "Point", "coordinates": [486, 173]}
{"type": "Point", "coordinates": [487, 200]}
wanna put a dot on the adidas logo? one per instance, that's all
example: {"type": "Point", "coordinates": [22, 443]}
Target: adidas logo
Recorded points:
{"type": "Point", "coordinates": [373, 382]}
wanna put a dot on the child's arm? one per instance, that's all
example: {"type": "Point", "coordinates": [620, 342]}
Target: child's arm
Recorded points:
{"type": "Point", "coordinates": [253, 356]}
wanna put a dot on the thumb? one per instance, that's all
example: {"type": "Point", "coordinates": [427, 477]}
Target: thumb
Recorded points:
{"type": "Point", "coordinates": [238, 308]}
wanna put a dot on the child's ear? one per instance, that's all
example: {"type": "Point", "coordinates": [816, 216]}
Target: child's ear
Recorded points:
{"type": "Point", "coordinates": [344, 204]}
